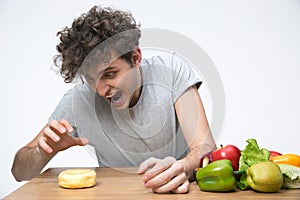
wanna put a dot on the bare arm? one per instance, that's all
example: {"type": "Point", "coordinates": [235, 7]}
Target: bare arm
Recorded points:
{"type": "Point", "coordinates": [194, 125]}
{"type": "Point", "coordinates": [168, 174]}
{"type": "Point", "coordinates": [31, 159]}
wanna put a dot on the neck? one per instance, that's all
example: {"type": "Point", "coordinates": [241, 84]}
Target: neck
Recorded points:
{"type": "Point", "coordinates": [137, 93]}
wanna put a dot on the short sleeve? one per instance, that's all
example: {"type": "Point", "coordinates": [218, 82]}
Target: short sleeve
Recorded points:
{"type": "Point", "coordinates": [183, 76]}
{"type": "Point", "coordinates": [64, 110]}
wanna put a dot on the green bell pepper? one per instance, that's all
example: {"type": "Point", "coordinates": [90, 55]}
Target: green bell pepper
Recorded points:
{"type": "Point", "coordinates": [217, 176]}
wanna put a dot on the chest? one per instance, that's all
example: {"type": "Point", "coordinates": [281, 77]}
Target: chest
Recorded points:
{"type": "Point", "coordinates": [150, 125]}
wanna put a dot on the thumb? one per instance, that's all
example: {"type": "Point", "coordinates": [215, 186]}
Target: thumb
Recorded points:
{"type": "Point", "coordinates": [149, 163]}
{"type": "Point", "coordinates": [81, 141]}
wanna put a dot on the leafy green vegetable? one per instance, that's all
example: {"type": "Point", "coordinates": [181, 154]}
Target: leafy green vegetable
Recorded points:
{"type": "Point", "coordinates": [291, 176]}
{"type": "Point", "coordinates": [251, 155]}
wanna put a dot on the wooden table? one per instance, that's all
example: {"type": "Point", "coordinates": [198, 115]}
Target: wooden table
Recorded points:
{"type": "Point", "coordinates": [124, 183]}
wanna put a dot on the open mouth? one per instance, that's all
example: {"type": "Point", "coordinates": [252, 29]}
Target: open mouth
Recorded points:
{"type": "Point", "coordinates": [111, 94]}
{"type": "Point", "coordinates": [115, 97]}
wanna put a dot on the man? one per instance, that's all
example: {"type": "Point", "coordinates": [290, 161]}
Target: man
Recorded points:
{"type": "Point", "coordinates": [133, 111]}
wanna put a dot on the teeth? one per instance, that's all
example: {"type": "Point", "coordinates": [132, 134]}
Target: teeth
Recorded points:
{"type": "Point", "coordinates": [111, 94]}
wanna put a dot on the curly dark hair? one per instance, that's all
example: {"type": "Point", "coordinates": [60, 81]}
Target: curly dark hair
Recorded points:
{"type": "Point", "coordinates": [87, 32]}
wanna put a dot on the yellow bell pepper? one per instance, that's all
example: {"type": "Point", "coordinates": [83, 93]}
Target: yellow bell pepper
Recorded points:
{"type": "Point", "coordinates": [291, 159]}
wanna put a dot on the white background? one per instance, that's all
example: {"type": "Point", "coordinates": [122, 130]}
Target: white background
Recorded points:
{"type": "Point", "coordinates": [254, 44]}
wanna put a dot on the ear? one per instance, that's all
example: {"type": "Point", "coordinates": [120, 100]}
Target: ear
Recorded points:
{"type": "Point", "coordinates": [136, 56]}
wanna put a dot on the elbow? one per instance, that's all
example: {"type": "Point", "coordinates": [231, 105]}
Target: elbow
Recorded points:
{"type": "Point", "coordinates": [18, 172]}
{"type": "Point", "coordinates": [19, 175]}
{"type": "Point", "coordinates": [16, 175]}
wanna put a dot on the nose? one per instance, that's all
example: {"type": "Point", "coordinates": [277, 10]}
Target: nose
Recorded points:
{"type": "Point", "coordinates": [102, 88]}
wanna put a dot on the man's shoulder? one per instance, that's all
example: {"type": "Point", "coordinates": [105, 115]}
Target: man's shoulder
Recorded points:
{"type": "Point", "coordinates": [169, 59]}
{"type": "Point", "coordinates": [81, 87]}
{"type": "Point", "coordinates": [79, 90]}
{"type": "Point", "coordinates": [158, 58]}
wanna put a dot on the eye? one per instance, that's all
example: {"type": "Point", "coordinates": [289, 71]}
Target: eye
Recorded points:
{"type": "Point", "coordinates": [109, 74]}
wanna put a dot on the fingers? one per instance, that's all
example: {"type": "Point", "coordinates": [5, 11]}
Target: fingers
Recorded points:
{"type": "Point", "coordinates": [61, 127]}
{"type": "Point", "coordinates": [67, 125]}
{"type": "Point", "coordinates": [55, 137]}
{"type": "Point", "coordinates": [44, 146]}
{"type": "Point", "coordinates": [166, 176]}
{"type": "Point", "coordinates": [144, 166]}
{"type": "Point", "coordinates": [176, 185]}
{"type": "Point", "coordinates": [81, 141]}
{"type": "Point", "coordinates": [55, 128]}
{"type": "Point", "coordinates": [49, 137]}
{"type": "Point", "coordinates": [171, 179]}
{"type": "Point", "coordinates": [51, 134]}
{"type": "Point", "coordinates": [158, 167]}
{"type": "Point", "coordinates": [184, 188]}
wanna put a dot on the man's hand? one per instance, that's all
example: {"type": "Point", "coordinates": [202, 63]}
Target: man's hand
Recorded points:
{"type": "Point", "coordinates": [32, 158]}
{"type": "Point", "coordinates": [56, 137]}
{"type": "Point", "coordinates": [165, 175]}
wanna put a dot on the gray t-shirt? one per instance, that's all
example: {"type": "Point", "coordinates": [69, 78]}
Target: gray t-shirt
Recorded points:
{"type": "Point", "coordinates": [149, 129]}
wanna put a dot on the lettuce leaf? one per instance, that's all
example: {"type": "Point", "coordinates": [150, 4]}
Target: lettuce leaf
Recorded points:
{"type": "Point", "coordinates": [291, 176]}
{"type": "Point", "coordinates": [251, 155]}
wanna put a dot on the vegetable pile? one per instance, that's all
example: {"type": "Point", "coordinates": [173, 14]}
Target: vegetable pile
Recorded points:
{"type": "Point", "coordinates": [258, 169]}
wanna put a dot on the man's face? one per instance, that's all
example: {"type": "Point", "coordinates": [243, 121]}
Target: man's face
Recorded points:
{"type": "Point", "coordinates": [119, 83]}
